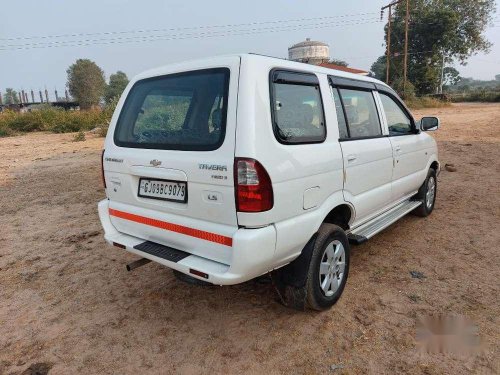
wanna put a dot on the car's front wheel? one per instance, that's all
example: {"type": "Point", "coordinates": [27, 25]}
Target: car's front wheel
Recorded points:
{"type": "Point", "coordinates": [427, 194]}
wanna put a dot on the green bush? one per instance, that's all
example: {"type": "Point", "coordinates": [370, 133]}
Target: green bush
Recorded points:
{"type": "Point", "coordinates": [79, 137]}
{"type": "Point", "coordinates": [52, 119]}
{"type": "Point", "coordinates": [108, 111]}
{"type": "Point", "coordinates": [5, 131]}
{"type": "Point", "coordinates": [477, 96]}
{"type": "Point", "coordinates": [408, 92]}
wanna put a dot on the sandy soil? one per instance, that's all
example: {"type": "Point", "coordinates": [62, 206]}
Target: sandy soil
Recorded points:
{"type": "Point", "coordinates": [67, 303]}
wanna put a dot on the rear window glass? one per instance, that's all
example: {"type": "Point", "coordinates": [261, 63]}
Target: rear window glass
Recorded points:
{"type": "Point", "coordinates": [176, 112]}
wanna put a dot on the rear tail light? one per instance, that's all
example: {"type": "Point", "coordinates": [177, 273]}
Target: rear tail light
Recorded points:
{"type": "Point", "coordinates": [102, 169]}
{"type": "Point", "coordinates": [254, 191]}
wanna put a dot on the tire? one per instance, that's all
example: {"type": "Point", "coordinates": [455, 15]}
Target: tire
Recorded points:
{"type": "Point", "coordinates": [330, 260]}
{"type": "Point", "coordinates": [427, 194]}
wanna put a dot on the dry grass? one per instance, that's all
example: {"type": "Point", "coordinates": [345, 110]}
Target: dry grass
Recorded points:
{"type": "Point", "coordinates": [68, 303]}
{"type": "Point", "coordinates": [426, 102]}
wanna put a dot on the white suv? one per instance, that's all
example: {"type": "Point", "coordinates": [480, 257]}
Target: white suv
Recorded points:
{"type": "Point", "coordinates": [227, 168]}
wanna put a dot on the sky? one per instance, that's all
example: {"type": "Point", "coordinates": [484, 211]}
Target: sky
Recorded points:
{"type": "Point", "coordinates": [351, 28]}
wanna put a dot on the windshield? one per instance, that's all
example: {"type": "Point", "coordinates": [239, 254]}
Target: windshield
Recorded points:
{"type": "Point", "coordinates": [184, 111]}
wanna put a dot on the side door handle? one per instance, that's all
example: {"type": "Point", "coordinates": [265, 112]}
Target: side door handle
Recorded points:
{"type": "Point", "coordinates": [397, 148]}
{"type": "Point", "coordinates": [351, 157]}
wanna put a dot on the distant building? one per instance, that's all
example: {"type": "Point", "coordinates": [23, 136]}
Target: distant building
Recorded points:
{"type": "Point", "coordinates": [317, 53]}
{"type": "Point", "coordinates": [309, 51]}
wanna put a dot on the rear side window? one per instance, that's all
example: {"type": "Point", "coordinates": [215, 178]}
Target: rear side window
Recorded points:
{"type": "Point", "coordinates": [176, 112]}
{"type": "Point", "coordinates": [297, 109]}
{"type": "Point", "coordinates": [361, 111]}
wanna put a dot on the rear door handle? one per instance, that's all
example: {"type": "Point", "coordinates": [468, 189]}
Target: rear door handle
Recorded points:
{"type": "Point", "coordinates": [351, 157]}
{"type": "Point", "coordinates": [397, 148]}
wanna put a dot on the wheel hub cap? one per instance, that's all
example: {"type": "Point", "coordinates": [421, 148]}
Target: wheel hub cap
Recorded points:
{"type": "Point", "coordinates": [431, 192]}
{"type": "Point", "coordinates": [332, 268]}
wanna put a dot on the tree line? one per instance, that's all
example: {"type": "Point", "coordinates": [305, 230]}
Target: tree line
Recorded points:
{"type": "Point", "coordinates": [441, 32]}
{"type": "Point", "coordinates": [86, 83]}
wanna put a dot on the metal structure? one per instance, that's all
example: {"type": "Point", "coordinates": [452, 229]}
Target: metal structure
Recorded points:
{"type": "Point", "coordinates": [407, 17]}
{"type": "Point", "coordinates": [309, 51]}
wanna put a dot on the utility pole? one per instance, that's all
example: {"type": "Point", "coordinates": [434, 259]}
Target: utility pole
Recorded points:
{"type": "Point", "coordinates": [389, 6]}
{"type": "Point", "coordinates": [406, 44]}
{"type": "Point", "coordinates": [388, 53]}
{"type": "Point", "coordinates": [442, 77]}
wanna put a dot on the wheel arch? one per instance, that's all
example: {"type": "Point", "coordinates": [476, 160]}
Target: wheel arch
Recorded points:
{"type": "Point", "coordinates": [435, 165]}
{"type": "Point", "coordinates": [340, 215]}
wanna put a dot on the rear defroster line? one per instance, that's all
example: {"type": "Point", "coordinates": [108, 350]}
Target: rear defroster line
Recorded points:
{"type": "Point", "coordinates": [207, 236]}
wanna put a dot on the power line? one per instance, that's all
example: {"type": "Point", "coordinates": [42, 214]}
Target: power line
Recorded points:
{"type": "Point", "coordinates": [152, 38]}
{"type": "Point", "coordinates": [170, 35]}
{"type": "Point", "coordinates": [184, 28]}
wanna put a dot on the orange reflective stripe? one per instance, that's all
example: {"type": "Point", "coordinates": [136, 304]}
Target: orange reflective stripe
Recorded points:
{"type": "Point", "coordinates": [207, 236]}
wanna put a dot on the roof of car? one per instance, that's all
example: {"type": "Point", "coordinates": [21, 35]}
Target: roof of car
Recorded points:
{"type": "Point", "coordinates": [256, 58]}
{"type": "Point", "coordinates": [343, 73]}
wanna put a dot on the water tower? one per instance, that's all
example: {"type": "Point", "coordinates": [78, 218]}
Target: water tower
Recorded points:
{"type": "Point", "coordinates": [309, 51]}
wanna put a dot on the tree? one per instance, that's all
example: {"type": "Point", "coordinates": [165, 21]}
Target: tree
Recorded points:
{"type": "Point", "coordinates": [11, 96]}
{"type": "Point", "coordinates": [117, 83]}
{"type": "Point", "coordinates": [453, 29]}
{"type": "Point", "coordinates": [497, 77]}
{"type": "Point", "coordinates": [338, 62]}
{"type": "Point", "coordinates": [378, 69]}
{"type": "Point", "coordinates": [86, 83]}
{"type": "Point", "coordinates": [451, 76]}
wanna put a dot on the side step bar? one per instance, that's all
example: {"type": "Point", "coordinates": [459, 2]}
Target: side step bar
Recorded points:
{"type": "Point", "coordinates": [368, 230]}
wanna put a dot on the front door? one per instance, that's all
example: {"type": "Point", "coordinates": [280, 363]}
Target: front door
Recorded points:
{"type": "Point", "coordinates": [408, 148]}
{"type": "Point", "coordinates": [367, 153]}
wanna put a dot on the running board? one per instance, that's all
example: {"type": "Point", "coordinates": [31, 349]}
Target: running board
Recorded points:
{"type": "Point", "coordinates": [368, 230]}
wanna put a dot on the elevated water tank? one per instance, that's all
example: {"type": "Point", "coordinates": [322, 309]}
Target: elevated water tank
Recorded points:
{"type": "Point", "coordinates": [309, 51]}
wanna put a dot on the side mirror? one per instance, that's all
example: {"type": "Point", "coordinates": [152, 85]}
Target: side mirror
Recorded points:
{"type": "Point", "coordinates": [429, 123]}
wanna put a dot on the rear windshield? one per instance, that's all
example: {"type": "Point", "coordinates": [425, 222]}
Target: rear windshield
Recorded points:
{"type": "Point", "coordinates": [184, 111]}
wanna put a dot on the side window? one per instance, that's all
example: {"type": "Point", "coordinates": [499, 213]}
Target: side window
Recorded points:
{"type": "Point", "coordinates": [297, 112]}
{"type": "Point", "coordinates": [362, 116]}
{"type": "Point", "coordinates": [340, 114]}
{"type": "Point", "coordinates": [397, 120]}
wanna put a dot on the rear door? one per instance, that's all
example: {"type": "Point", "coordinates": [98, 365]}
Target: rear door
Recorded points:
{"type": "Point", "coordinates": [169, 160]}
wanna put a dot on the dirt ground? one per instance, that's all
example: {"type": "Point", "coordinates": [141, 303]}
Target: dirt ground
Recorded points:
{"type": "Point", "coordinates": [67, 303]}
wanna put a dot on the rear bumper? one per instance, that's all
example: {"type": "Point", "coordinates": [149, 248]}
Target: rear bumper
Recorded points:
{"type": "Point", "coordinates": [252, 253]}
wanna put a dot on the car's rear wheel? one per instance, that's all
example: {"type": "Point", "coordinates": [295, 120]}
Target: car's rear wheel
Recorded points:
{"type": "Point", "coordinates": [329, 267]}
{"type": "Point", "coordinates": [427, 194]}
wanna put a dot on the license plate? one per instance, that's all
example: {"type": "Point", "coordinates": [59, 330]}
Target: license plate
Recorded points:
{"type": "Point", "coordinates": [163, 189]}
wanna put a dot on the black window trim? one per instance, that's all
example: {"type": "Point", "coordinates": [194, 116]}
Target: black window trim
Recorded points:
{"type": "Point", "coordinates": [351, 83]}
{"type": "Point", "coordinates": [156, 146]}
{"type": "Point", "coordinates": [344, 112]}
{"type": "Point", "coordinates": [394, 96]}
{"type": "Point", "coordinates": [299, 78]}
{"type": "Point", "coordinates": [338, 83]}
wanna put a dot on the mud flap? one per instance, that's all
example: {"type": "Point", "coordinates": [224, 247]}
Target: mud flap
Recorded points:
{"type": "Point", "coordinates": [290, 281]}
